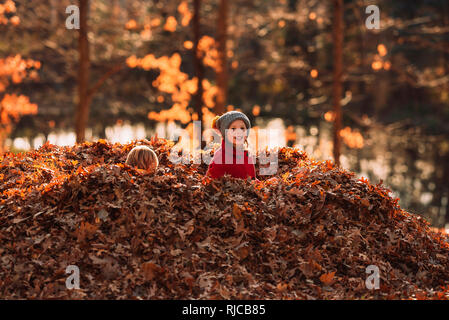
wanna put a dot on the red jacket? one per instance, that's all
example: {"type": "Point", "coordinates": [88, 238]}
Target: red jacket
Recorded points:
{"type": "Point", "coordinates": [222, 164]}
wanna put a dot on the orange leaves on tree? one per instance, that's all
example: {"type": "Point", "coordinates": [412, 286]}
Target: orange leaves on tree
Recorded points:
{"type": "Point", "coordinates": [156, 22]}
{"type": "Point", "coordinates": [14, 106]}
{"type": "Point", "coordinates": [188, 44]}
{"type": "Point", "coordinates": [378, 61]}
{"type": "Point", "coordinates": [208, 50]}
{"type": "Point", "coordinates": [210, 92]}
{"type": "Point", "coordinates": [256, 110]}
{"type": "Point", "coordinates": [170, 24]}
{"type": "Point", "coordinates": [14, 69]}
{"type": "Point", "coordinates": [15, 20]}
{"type": "Point", "coordinates": [144, 28]}
{"type": "Point", "coordinates": [312, 16]}
{"type": "Point", "coordinates": [382, 49]}
{"type": "Point", "coordinates": [131, 24]}
{"type": "Point", "coordinates": [183, 9]}
{"type": "Point", "coordinates": [175, 61]}
{"type": "Point", "coordinates": [353, 139]}
{"type": "Point", "coordinates": [377, 65]}
{"type": "Point", "coordinates": [329, 116]}
{"type": "Point", "coordinates": [208, 115]}
{"type": "Point", "coordinates": [148, 61]}
{"type": "Point", "coordinates": [7, 8]}
{"type": "Point", "coordinates": [190, 86]}
{"type": "Point", "coordinates": [176, 112]}
{"type": "Point", "coordinates": [173, 81]}
{"type": "Point", "coordinates": [132, 61]}
{"type": "Point", "coordinates": [170, 80]}
{"type": "Point", "coordinates": [146, 32]}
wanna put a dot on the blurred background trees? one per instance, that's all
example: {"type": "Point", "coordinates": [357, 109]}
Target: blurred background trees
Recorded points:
{"type": "Point", "coordinates": [13, 70]}
{"type": "Point", "coordinates": [155, 66]}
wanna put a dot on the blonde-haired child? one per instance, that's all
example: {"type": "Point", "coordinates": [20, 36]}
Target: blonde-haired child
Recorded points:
{"type": "Point", "coordinates": [142, 157]}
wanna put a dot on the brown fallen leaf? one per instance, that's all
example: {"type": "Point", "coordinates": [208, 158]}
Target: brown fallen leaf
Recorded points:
{"type": "Point", "coordinates": [150, 270]}
{"type": "Point", "coordinates": [327, 278]}
{"type": "Point", "coordinates": [237, 211]}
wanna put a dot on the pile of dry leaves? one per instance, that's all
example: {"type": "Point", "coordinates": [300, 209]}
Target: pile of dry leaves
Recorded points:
{"type": "Point", "coordinates": [308, 232]}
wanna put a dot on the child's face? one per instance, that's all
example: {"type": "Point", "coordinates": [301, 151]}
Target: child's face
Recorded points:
{"type": "Point", "coordinates": [236, 132]}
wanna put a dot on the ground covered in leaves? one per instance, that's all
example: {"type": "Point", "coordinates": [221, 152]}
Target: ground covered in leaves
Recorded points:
{"type": "Point", "coordinates": [308, 232]}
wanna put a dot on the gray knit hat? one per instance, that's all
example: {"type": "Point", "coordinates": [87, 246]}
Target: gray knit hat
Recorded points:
{"type": "Point", "coordinates": [226, 119]}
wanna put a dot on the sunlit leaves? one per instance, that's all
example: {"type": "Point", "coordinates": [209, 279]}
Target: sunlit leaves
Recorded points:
{"type": "Point", "coordinates": [377, 65]}
{"type": "Point", "coordinates": [131, 24]}
{"type": "Point", "coordinates": [307, 232]}
{"type": "Point", "coordinates": [208, 49]}
{"type": "Point", "coordinates": [256, 110]}
{"type": "Point", "coordinates": [327, 278]}
{"type": "Point", "coordinates": [382, 49]}
{"type": "Point", "coordinates": [7, 9]}
{"type": "Point", "coordinates": [352, 138]}
{"type": "Point", "coordinates": [170, 24]}
{"type": "Point", "coordinates": [173, 81]}
{"type": "Point", "coordinates": [14, 70]}
{"type": "Point", "coordinates": [379, 61]}
{"type": "Point", "coordinates": [183, 9]}
{"type": "Point", "coordinates": [132, 61]}
{"type": "Point", "coordinates": [188, 44]}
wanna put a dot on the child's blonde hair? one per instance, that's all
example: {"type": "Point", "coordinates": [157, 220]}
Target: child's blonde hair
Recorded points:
{"type": "Point", "coordinates": [142, 157]}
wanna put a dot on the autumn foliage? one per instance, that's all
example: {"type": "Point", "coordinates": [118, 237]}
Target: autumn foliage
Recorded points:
{"type": "Point", "coordinates": [7, 13]}
{"type": "Point", "coordinates": [13, 70]}
{"type": "Point", "coordinates": [308, 232]}
{"type": "Point", "coordinates": [174, 82]}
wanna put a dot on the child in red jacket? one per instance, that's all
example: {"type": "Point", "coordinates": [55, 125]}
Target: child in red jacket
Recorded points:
{"type": "Point", "coordinates": [231, 158]}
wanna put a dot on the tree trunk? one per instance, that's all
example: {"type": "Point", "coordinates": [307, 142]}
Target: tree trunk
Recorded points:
{"type": "Point", "coordinates": [222, 70]}
{"type": "Point", "coordinates": [197, 61]}
{"type": "Point", "coordinates": [337, 83]}
{"type": "Point", "coordinates": [445, 16]}
{"type": "Point", "coordinates": [54, 7]}
{"type": "Point", "coordinates": [82, 111]}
